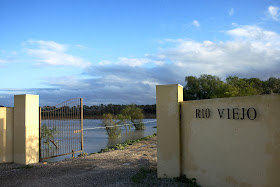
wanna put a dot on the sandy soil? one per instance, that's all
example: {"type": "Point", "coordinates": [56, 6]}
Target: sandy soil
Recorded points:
{"type": "Point", "coordinates": [133, 166]}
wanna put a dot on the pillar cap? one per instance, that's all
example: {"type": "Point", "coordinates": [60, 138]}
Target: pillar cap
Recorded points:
{"type": "Point", "coordinates": [171, 85]}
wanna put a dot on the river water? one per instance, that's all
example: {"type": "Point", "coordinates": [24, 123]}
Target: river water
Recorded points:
{"type": "Point", "coordinates": [97, 139]}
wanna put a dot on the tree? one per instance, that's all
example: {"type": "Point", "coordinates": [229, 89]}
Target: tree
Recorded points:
{"type": "Point", "coordinates": [48, 134]}
{"type": "Point", "coordinates": [272, 85]}
{"type": "Point", "coordinates": [208, 86]}
{"type": "Point", "coordinates": [204, 87]}
{"type": "Point", "coordinates": [134, 115]}
{"type": "Point", "coordinates": [239, 87]}
{"type": "Point", "coordinates": [111, 124]}
{"type": "Point", "coordinates": [191, 90]}
{"type": "Point", "coordinates": [257, 84]}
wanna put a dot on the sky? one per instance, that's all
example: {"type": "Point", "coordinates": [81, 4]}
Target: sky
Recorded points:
{"type": "Point", "coordinates": [117, 51]}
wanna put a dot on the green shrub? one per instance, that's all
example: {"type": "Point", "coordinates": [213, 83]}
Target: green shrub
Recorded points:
{"type": "Point", "coordinates": [83, 154]}
{"type": "Point", "coordinates": [47, 135]}
{"type": "Point", "coordinates": [190, 182]}
{"type": "Point", "coordinates": [125, 144]}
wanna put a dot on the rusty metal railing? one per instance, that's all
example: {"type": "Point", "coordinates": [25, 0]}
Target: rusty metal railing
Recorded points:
{"type": "Point", "coordinates": [61, 129]}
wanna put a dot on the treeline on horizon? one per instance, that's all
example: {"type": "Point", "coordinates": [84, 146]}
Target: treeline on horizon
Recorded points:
{"type": "Point", "coordinates": [203, 87]}
{"type": "Point", "coordinates": [209, 86]}
{"type": "Point", "coordinates": [97, 111]}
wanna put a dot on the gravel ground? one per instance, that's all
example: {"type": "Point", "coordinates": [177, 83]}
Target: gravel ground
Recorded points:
{"type": "Point", "coordinates": [133, 166]}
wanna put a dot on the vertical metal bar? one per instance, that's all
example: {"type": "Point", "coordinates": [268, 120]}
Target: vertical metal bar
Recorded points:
{"type": "Point", "coordinates": [49, 125]}
{"type": "Point", "coordinates": [82, 125]}
{"type": "Point", "coordinates": [65, 126]}
{"type": "Point", "coordinates": [77, 124]}
{"type": "Point", "coordinates": [61, 127]}
{"type": "Point", "coordinates": [68, 117]}
{"type": "Point", "coordinates": [63, 116]}
{"type": "Point", "coordinates": [74, 125]}
{"type": "Point", "coordinates": [58, 134]}
{"type": "Point", "coordinates": [71, 126]}
{"type": "Point", "coordinates": [40, 150]}
{"type": "Point", "coordinates": [43, 145]}
{"type": "Point", "coordinates": [53, 125]}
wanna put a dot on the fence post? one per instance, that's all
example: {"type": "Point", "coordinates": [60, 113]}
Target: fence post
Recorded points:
{"type": "Point", "coordinates": [82, 124]}
{"type": "Point", "coordinates": [26, 129]}
{"type": "Point", "coordinates": [168, 98]}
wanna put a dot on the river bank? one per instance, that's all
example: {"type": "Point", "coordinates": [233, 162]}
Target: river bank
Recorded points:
{"type": "Point", "coordinates": [146, 116]}
{"type": "Point", "coordinates": [135, 165]}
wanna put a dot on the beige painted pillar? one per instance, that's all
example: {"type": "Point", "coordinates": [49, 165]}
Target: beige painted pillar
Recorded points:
{"type": "Point", "coordinates": [6, 134]}
{"type": "Point", "coordinates": [26, 129]}
{"type": "Point", "coordinates": [168, 98]}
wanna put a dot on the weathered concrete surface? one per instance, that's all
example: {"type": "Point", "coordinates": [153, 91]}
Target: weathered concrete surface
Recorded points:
{"type": "Point", "coordinates": [222, 151]}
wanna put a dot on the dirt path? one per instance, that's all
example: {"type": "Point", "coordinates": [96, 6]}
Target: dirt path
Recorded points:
{"type": "Point", "coordinates": [133, 166]}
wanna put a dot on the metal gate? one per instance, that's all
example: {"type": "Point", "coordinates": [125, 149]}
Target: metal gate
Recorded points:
{"type": "Point", "coordinates": [61, 129]}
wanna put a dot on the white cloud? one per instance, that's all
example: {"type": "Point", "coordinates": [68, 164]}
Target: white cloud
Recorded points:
{"type": "Point", "coordinates": [248, 58]}
{"type": "Point", "coordinates": [105, 62]}
{"type": "Point", "coordinates": [254, 52]}
{"type": "Point", "coordinates": [52, 53]}
{"type": "Point", "coordinates": [231, 12]}
{"type": "Point", "coordinates": [136, 62]}
{"type": "Point", "coordinates": [196, 23]}
{"type": "Point", "coordinates": [250, 52]}
{"type": "Point", "coordinates": [49, 45]}
{"type": "Point", "coordinates": [132, 62]}
{"type": "Point", "coordinates": [273, 12]}
{"type": "Point", "coordinates": [252, 32]}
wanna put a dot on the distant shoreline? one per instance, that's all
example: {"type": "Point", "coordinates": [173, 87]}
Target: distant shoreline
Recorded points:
{"type": "Point", "coordinates": [146, 116]}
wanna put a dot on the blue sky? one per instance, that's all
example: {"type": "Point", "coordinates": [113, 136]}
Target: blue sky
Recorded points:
{"type": "Point", "coordinates": [117, 51]}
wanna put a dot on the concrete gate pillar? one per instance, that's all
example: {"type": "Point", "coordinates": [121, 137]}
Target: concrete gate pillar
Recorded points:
{"type": "Point", "coordinates": [26, 129]}
{"type": "Point", "coordinates": [168, 98]}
